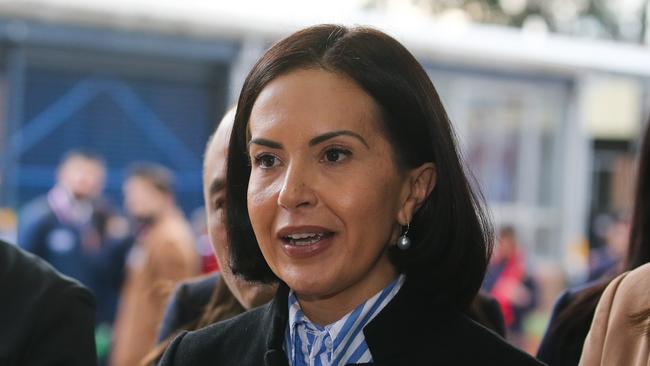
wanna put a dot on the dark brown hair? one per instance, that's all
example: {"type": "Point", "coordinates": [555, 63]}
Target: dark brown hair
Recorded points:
{"type": "Point", "coordinates": [451, 233]}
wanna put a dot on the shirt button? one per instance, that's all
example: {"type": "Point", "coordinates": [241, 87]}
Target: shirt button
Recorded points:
{"type": "Point", "coordinates": [328, 343]}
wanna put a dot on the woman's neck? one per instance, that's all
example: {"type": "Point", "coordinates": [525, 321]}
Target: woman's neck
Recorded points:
{"type": "Point", "coordinates": [324, 310]}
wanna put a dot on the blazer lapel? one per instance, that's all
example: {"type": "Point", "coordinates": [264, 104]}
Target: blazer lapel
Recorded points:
{"type": "Point", "coordinates": [409, 322]}
{"type": "Point", "coordinates": [276, 320]}
{"type": "Point", "coordinates": [391, 336]}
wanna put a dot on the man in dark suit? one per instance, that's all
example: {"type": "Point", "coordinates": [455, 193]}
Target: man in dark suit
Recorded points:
{"type": "Point", "coordinates": [45, 317]}
{"type": "Point", "coordinates": [72, 228]}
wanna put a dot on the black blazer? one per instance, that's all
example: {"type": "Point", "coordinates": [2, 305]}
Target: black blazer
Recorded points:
{"type": "Point", "coordinates": [411, 330]}
{"type": "Point", "coordinates": [45, 318]}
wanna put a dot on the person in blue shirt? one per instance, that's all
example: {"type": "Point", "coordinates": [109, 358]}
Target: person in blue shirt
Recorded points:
{"type": "Point", "coordinates": [65, 226]}
{"type": "Point", "coordinates": [68, 227]}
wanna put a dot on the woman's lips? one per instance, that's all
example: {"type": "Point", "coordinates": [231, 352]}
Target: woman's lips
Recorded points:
{"type": "Point", "coordinates": [305, 241]}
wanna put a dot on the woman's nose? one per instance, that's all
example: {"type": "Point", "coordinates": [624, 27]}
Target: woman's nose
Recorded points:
{"type": "Point", "coordinates": [297, 190]}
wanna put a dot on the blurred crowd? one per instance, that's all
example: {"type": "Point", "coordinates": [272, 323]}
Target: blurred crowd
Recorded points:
{"type": "Point", "coordinates": [133, 258]}
{"type": "Point", "coordinates": [155, 271]}
{"type": "Point", "coordinates": [130, 260]}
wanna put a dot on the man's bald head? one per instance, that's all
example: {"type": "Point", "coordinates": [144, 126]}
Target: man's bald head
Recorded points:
{"type": "Point", "coordinates": [218, 141]}
{"type": "Point", "coordinates": [214, 192]}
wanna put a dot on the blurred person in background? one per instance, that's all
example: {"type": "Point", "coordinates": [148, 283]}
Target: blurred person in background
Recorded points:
{"type": "Point", "coordinates": [163, 254]}
{"type": "Point", "coordinates": [609, 259]}
{"type": "Point", "coordinates": [222, 295]}
{"type": "Point", "coordinates": [576, 309]}
{"type": "Point", "coordinates": [203, 245]}
{"type": "Point", "coordinates": [508, 281]}
{"type": "Point", "coordinates": [74, 229]}
{"type": "Point", "coordinates": [67, 226]}
{"type": "Point", "coordinates": [45, 318]}
{"type": "Point", "coordinates": [550, 280]}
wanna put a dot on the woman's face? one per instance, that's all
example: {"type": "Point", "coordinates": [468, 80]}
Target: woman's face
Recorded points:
{"type": "Point", "coordinates": [325, 195]}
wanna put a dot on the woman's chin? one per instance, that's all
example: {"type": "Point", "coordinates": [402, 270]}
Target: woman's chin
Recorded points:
{"type": "Point", "coordinates": [310, 289]}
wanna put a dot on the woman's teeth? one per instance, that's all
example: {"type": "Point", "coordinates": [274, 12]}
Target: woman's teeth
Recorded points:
{"type": "Point", "coordinates": [304, 238]}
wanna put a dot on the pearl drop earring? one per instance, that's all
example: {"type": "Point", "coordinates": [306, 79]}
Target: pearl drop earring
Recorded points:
{"type": "Point", "coordinates": [404, 242]}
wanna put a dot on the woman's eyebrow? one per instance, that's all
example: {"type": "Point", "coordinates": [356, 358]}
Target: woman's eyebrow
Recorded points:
{"type": "Point", "coordinates": [265, 142]}
{"type": "Point", "coordinates": [329, 135]}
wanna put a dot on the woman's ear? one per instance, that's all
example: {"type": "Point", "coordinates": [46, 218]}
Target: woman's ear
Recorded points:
{"type": "Point", "coordinates": [419, 184]}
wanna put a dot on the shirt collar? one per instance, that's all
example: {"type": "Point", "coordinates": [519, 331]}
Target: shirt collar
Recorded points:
{"type": "Point", "coordinates": [340, 339]}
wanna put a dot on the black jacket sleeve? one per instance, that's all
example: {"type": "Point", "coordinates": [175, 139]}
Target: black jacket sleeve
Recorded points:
{"type": "Point", "coordinates": [65, 331]}
{"type": "Point", "coordinates": [46, 319]}
{"type": "Point", "coordinates": [170, 356]}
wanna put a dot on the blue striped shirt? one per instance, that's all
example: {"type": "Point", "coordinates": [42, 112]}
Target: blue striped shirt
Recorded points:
{"type": "Point", "coordinates": [339, 343]}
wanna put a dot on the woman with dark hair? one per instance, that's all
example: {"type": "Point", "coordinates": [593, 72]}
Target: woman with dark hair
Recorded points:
{"type": "Point", "coordinates": [620, 330]}
{"type": "Point", "coordinates": [574, 310]}
{"type": "Point", "coordinates": [346, 187]}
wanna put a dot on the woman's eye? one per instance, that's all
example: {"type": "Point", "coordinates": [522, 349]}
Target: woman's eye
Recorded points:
{"type": "Point", "coordinates": [266, 161]}
{"type": "Point", "coordinates": [336, 155]}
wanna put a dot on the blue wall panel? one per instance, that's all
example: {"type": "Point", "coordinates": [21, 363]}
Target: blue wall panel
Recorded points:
{"type": "Point", "coordinates": [125, 117]}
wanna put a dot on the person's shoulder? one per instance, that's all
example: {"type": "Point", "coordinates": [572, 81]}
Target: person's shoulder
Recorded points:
{"type": "Point", "coordinates": [174, 231]}
{"type": "Point", "coordinates": [451, 337]}
{"type": "Point", "coordinates": [635, 278]}
{"type": "Point", "coordinates": [32, 280]}
{"type": "Point", "coordinates": [565, 298]}
{"type": "Point", "coordinates": [485, 346]}
{"type": "Point", "coordinates": [486, 311]}
{"type": "Point", "coordinates": [486, 300]}
{"type": "Point", "coordinates": [43, 301]}
{"type": "Point", "coordinates": [613, 338]}
{"type": "Point", "coordinates": [630, 290]}
{"type": "Point", "coordinates": [34, 273]}
{"type": "Point", "coordinates": [187, 303]}
{"type": "Point", "coordinates": [197, 290]}
{"type": "Point", "coordinates": [570, 295]}
{"type": "Point", "coordinates": [35, 211]}
{"type": "Point", "coordinates": [247, 325]}
{"type": "Point", "coordinates": [38, 207]}
{"type": "Point", "coordinates": [38, 203]}
{"type": "Point", "coordinates": [227, 342]}
{"type": "Point", "coordinates": [175, 222]}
